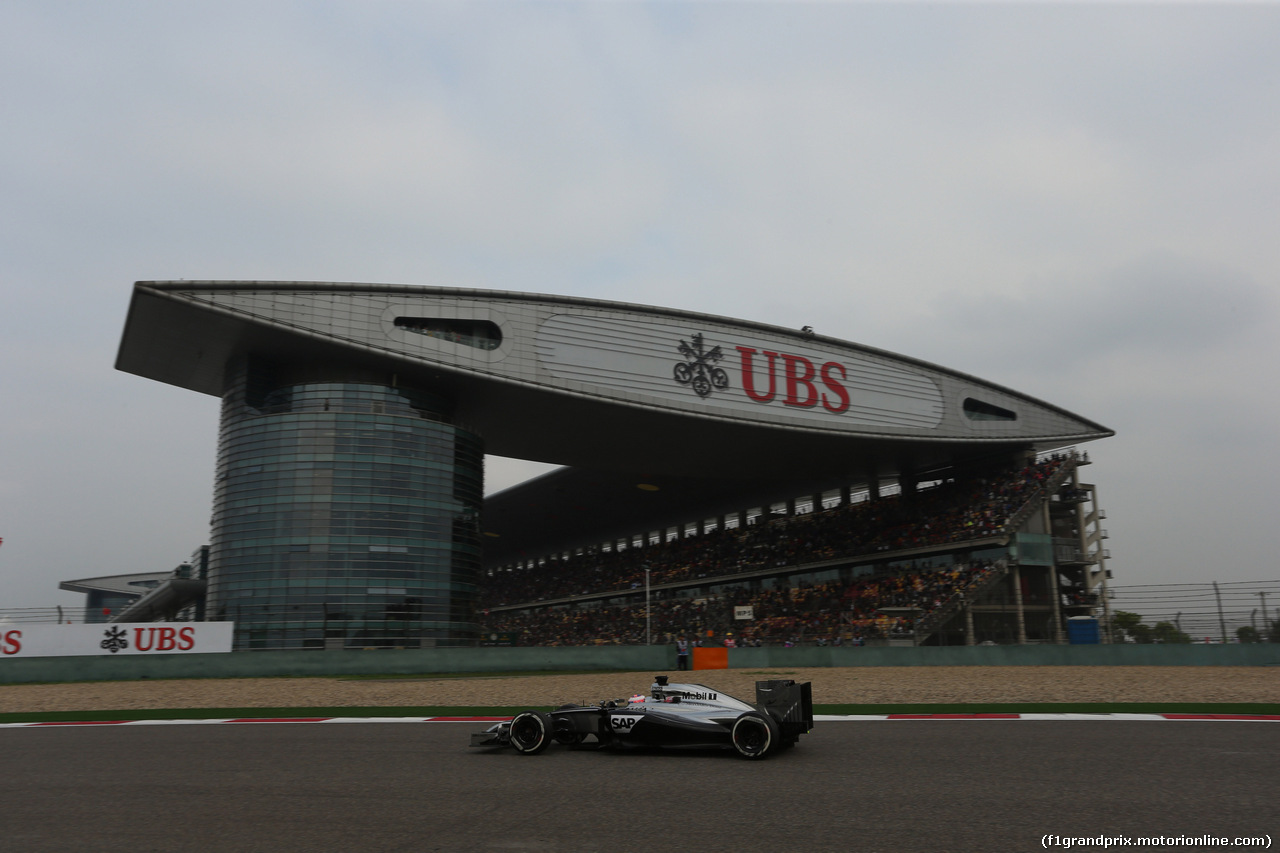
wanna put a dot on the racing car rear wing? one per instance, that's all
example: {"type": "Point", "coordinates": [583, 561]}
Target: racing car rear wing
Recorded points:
{"type": "Point", "coordinates": [789, 703]}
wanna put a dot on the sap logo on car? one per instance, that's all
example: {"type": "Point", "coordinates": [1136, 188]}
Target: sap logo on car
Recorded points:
{"type": "Point", "coordinates": [624, 722]}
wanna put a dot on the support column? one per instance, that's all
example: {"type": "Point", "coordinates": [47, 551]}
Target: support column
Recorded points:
{"type": "Point", "coordinates": [1058, 636]}
{"type": "Point", "coordinates": [1104, 596]}
{"type": "Point", "coordinates": [907, 485]}
{"type": "Point", "coordinates": [1015, 575]}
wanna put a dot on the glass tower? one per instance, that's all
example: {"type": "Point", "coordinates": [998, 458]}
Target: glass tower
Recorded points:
{"type": "Point", "coordinates": [346, 512]}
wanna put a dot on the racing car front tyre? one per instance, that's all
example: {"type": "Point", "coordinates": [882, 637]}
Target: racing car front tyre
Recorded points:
{"type": "Point", "coordinates": [530, 732]}
{"type": "Point", "coordinates": [755, 735]}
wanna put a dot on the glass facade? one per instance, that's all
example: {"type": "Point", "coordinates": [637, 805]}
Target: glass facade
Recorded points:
{"type": "Point", "coordinates": [346, 513]}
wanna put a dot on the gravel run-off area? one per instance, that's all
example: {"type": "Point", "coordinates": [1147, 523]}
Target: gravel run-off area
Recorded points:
{"type": "Point", "coordinates": [847, 685]}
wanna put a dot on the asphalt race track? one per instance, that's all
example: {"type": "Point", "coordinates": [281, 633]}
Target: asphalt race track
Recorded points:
{"type": "Point", "coordinates": [896, 786]}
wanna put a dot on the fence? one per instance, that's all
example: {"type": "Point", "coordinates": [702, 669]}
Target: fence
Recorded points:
{"type": "Point", "coordinates": [1214, 611]}
{"type": "Point", "coordinates": [51, 615]}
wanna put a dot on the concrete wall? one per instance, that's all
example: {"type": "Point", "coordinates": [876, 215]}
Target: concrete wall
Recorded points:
{"type": "Point", "coordinates": [625, 658]}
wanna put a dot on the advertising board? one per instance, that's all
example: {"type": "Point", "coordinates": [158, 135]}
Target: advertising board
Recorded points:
{"type": "Point", "coordinates": [123, 638]}
{"type": "Point", "coordinates": [749, 376]}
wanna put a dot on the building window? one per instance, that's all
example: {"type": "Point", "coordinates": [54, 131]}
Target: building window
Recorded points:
{"type": "Point", "coordinates": [480, 334]}
{"type": "Point", "coordinates": [976, 410]}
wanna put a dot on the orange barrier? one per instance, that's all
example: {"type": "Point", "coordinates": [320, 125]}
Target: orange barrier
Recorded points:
{"type": "Point", "coordinates": [710, 658]}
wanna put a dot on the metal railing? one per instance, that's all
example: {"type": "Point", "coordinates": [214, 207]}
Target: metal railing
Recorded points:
{"type": "Point", "coordinates": [1042, 493]}
{"type": "Point", "coordinates": [55, 615]}
{"type": "Point", "coordinates": [1208, 610]}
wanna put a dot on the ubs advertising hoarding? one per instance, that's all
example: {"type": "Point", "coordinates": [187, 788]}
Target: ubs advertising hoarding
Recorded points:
{"type": "Point", "coordinates": [123, 638]}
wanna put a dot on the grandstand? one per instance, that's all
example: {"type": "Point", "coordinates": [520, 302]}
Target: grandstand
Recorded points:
{"type": "Point", "coordinates": [1001, 553]}
{"type": "Point", "coordinates": [841, 492]}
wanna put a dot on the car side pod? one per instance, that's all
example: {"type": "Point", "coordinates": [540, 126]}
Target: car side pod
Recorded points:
{"type": "Point", "coordinates": [530, 732]}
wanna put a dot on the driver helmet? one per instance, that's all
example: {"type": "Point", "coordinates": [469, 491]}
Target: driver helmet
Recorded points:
{"type": "Point", "coordinates": [636, 699]}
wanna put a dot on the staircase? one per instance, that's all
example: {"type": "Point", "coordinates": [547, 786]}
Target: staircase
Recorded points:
{"type": "Point", "coordinates": [1042, 493]}
{"type": "Point", "coordinates": [927, 625]}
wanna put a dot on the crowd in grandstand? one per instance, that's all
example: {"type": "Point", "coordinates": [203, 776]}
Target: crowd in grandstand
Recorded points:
{"type": "Point", "coordinates": [866, 608]}
{"type": "Point", "coordinates": [833, 613]}
{"type": "Point", "coordinates": [953, 511]}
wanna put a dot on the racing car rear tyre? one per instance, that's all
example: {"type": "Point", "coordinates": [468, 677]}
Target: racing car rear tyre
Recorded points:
{"type": "Point", "coordinates": [530, 732]}
{"type": "Point", "coordinates": [755, 735]}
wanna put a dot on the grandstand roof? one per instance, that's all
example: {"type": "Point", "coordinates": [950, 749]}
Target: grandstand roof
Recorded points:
{"type": "Point", "coordinates": [137, 583]}
{"type": "Point", "coordinates": [707, 408]}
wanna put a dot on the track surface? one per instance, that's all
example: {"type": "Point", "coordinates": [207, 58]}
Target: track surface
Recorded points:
{"type": "Point", "coordinates": [901, 786]}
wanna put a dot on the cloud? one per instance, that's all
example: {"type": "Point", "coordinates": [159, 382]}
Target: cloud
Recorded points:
{"type": "Point", "coordinates": [1159, 308]}
{"type": "Point", "coordinates": [1072, 200]}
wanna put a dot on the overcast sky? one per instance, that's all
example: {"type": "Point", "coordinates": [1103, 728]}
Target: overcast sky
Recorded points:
{"type": "Point", "coordinates": [1078, 201]}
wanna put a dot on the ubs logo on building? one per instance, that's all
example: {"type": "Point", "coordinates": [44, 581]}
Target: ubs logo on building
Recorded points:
{"type": "Point", "coordinates": [698, 369]}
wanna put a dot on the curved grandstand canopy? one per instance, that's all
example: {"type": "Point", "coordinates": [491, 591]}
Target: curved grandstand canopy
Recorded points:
{"type": "Point", "coordinates": [710, 410]}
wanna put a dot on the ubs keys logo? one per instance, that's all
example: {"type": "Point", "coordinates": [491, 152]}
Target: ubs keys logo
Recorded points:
{"type": "Point", "coordinates": [697, 369]}
{"type": "Point", "coordinates": [115, 640]}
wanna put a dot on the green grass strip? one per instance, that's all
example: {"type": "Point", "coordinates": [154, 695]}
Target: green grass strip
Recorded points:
{"type": "Point", "coordinates": [490, 711]}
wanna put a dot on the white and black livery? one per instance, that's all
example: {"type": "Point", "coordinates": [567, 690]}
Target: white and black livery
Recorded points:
{"type": "Point", "coordinates": [672, 715]}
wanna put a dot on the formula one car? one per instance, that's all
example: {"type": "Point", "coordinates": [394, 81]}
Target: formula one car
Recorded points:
{"type": "Point", "coordinates": [673, 715]}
